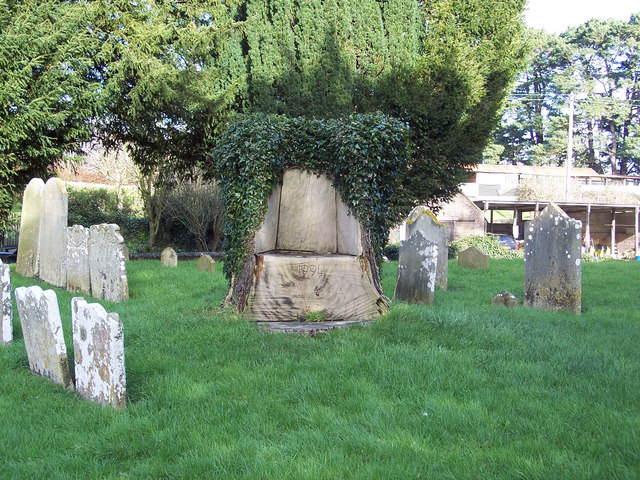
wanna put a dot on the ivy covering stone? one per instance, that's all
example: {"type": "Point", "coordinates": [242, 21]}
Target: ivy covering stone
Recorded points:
{"type": "Point", "coordinates": [364, 155]}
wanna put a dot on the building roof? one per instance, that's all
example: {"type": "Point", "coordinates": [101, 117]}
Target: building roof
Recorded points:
{"type": "Point", "coordinates": [531, 170]}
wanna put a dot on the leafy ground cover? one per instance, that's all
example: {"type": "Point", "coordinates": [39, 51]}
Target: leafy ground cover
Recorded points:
{"type": "Point", "coordinates": [459, 389]}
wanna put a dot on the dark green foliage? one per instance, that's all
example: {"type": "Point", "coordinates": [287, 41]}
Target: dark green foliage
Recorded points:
{"type": "Point", "coordinates": [48, 90]}
{"type": "Point", "coordinates": [447, 81]}
{"type": "Point", "coordinates": [365, 156]}
{"type": "Point", "coordinates": [92, 206]}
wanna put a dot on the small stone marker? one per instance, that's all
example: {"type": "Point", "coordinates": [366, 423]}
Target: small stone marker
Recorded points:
{"type": "Point", "coordinates": [78, 278]}
{"type": "Point", "coordinates": [169, 258]}
{"type": "Point", "coordinates": [98, 344]}
{"type": "Point", "coordinates": [42, 331]}
{"type": "Point", "coordinates": [29, 242]}
{"type": "Point", "coordinates": [53, 233]}
{"type": "Point", "coordinates": [421, 218]}
{"type": "Point", "coordinates": [505, 299]}
{"type": "Point", "coordinates": [106, 263]}
{"type": "Point", "coordinates": [6, 326]}
{"type": "Point", "coordinates": [417, 265]}
{"type": "Point", "coordinates": [473, 258]}
{"type": "Point", "coordinates": [206, 264]}
{"type": "Point", "coordinates": [552, 262]}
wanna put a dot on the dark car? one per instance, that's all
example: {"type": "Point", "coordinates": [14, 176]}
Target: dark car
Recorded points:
{"type": "Point", "coordinates": [506, 241]}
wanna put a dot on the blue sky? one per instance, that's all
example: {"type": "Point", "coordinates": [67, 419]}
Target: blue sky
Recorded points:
{"type": "Point", "coordinates": [555, 16]}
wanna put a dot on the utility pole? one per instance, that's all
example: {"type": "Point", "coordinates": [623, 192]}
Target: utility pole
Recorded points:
{"type": "Point", "coordinates": [569, 162]}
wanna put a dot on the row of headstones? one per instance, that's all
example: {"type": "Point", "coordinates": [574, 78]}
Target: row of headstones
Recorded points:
{"type": "Point", "coordinates": [169, 258]}
{"type": "Point", "coordinates": [88, 260]}
{"type": "Point", "coordinates": [98, 342]}
{"type": "Point", "coordinates": [552, 261]}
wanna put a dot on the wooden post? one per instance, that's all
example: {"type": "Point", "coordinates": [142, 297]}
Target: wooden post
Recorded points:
{"type": "Point", "coordinates": [516, 228]}
{"type": "Point", "coordinates": [613, 231]}
{"type": "Point", "coordinates": [491, 227]}
{"type": "Point", "coordinates": [486, 207]}
{"type": "Point", "coordinates": [587, 229]}
{"type": "Point", "coordinates": [636, 235]}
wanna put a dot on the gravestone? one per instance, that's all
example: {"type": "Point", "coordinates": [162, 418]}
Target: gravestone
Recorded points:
{"type": "Point", "coordinates": [169, 258]}
{"type": "Point", "coordinates": [78, 278]}
{"type": "Point", "coordinates": [505, 299]}
{"type": "Point", "coordinates": [98, 345]}
{"type": "Point", "coordinates": [206, 264]}
{"type": "Point", "coordinates": [29, 241]}
{"type": "Point", "coordinates": [473, 258]}
{"type": "Point", "coordinates": [6, 326]}
{"type": "Point", "coordinates": [421, 218]}
{"type": "Point", "coordinates": [417, 269]}
{"type": "Point", "coordinates": [53, 233]}
{"type": "Point", "coordinates": [552, 261]}
{"type": "Point", "coordinates": [107, 267]}
{"type": "Point", "coordinates": [42, 332]}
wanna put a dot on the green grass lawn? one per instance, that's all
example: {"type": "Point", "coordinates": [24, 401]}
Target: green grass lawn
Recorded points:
{"type": "Point", "coordinates": [456, 390]}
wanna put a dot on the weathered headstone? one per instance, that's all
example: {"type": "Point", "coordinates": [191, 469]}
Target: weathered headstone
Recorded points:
{"type": "Point", "coordinates": [6, 326]}
{"type": "Point", "coordinates": [473, 258]}
{"type": "Point", "coordinates": [29, 242]}
{"type": "Point", "coordinates": [53, 233]}
{"type": "Point", "coordinates": [42, 332]}
{"type": "Point", "coordinates": [552, 262]}
{"type": "Point", "coordinates": [106, 263]}
{"type": "Point", "coordinates": [169, 258]}
{"type": "Point", "coordinates": [78, 278]}
{"type": "Point", "coordinates": [98, 344]}
{"type": "Point", "coordinates": [417, 265]}
{"type": "Point", "coordinates": [421, 218]}
{"type": "Point", "coordinates": [206, 264]}
{"type": "Point", "coordinates": [505, 299]}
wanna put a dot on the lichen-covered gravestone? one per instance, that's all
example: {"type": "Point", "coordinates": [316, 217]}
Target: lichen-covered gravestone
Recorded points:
{"type": "Point", "coordinates": [169, 258]}
{"type": "Point", "coordinates": [473, 258]}
{"type": "Point", "coordinates": [29, 242]}
{"type": "Point", "coordinates": [417, 266]}
{"type": "Point", "coordinates": [6, 321]}
{"type": "Point", "coordinates": [421, 218]}
{"type": "Point", "coordinates": [53, 233]}
{"type": "Point", "coordinates": [106, 263]}
{"type": "Point", "coordinates": [42, 332]}
{"type": "Point", "coordinates": [98, 344]}
{"type": "Point", "coordinates": [206, 264]}
{"type": "Point", "coordinates": [78, 278]}
{"type": "Point", "coordinates": [552, 262]}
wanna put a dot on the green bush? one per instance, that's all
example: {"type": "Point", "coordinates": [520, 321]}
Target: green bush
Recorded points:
{"type": "Point", "coordinates": [92, 206]}
{"type": "Point", "coordinates": [488, 244]}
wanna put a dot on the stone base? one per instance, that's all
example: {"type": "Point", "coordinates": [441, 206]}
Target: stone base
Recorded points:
{"type": "Point", "coordinates": [335, 287]}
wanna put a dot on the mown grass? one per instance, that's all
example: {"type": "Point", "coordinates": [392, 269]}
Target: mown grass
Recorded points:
{"type": "Point", "coordinates": [459, 389]}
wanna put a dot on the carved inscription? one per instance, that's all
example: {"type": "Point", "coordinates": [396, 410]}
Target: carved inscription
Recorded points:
{"type": "Point", "coordinates": [303, 271]}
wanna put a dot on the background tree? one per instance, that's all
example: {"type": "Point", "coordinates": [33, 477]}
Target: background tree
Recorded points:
{"type": "Point", "coordinates": [599, 61]}
{"type": "Point", "coordinates": [49, 92]}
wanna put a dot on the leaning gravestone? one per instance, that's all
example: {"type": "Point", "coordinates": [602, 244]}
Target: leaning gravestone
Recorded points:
{"type": "Point", "coordinates": [98, 344]}
{"type": "Point", "coordinates": [473, 258]}
{"type": "Point", "coordinates": [421, 218]}
{"type": "Point", "coordinates": [417, 269]}
{"type": "Point", "coordinates": [29, 242]}
{"type": "Point", "coordinates": [169, 258]}
{"type": "Point", "coordinates": [42, 332]}
{"type": "Point", "coordinates": [6, 326]}
{"type": "Point", "coordinates": [206, 264]}
{"type": "Point", "coordinates": [106, 263]}
{"type": "Point", "coordinates": [53, 233]}
{"type": "Point", "coordinates": [552, 262]}
{"type": "Point", "coordinates": [78, 278]}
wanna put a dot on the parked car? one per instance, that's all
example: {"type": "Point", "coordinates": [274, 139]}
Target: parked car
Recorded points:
{"type": "Point", "coordinates": [506, 241]}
